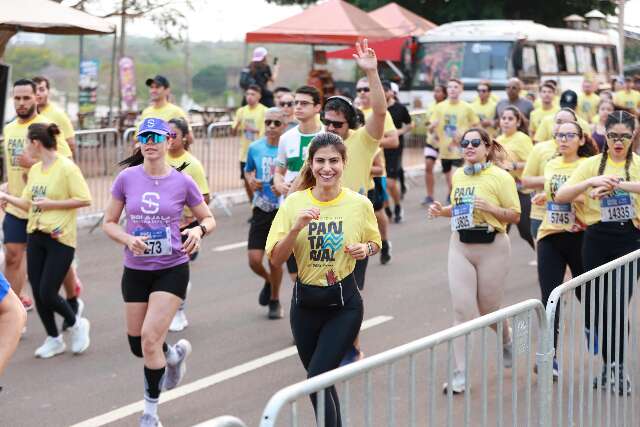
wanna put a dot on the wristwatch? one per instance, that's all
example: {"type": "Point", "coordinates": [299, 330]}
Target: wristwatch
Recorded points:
{"type": "Point", "coordinates": [203, 229]}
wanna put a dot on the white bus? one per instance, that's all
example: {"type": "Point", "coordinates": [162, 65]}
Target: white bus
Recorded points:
{"type": "Point", "coordinates": [497, 50]}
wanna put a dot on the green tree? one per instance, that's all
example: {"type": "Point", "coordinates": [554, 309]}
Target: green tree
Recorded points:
{"type": "Point", "coordinates": [209, 82]}
{"type": "Point", "coordinates": [25, 60]}
{"type": "Point", "coordinates": [442, 11]}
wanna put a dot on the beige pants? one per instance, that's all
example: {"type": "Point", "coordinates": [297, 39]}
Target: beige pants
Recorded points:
{"type": "Point", "coordinates": [477, 272]}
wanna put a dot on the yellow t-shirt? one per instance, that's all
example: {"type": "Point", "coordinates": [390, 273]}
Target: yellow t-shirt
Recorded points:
{"type": "Point", "coordinates": [494, 185]}
{"type": "Point", "coordinates": [589, 168]}
{"type": "Point", "coordinates": [167, 112]}
{"type": "Point", "coordinates": [453, 120]}
{"type": "Point", "coordinates": [319, 247]}
{"type": "Point", "coordinates": [587, 105]}
{"type": "Point", "coordinates": [485, 111]}
{"type": "Point", "coordinates": [388, 119]}
{"type": "Point", "coordinates": [194, 169]}
{"type": "Point", "coordinates": [545, 130]}
{"type": "Point", "coordinates": [556, 173]}
{"type": "Point", "coordinates": [361, 149]}
{"type": "Point", "coordinates": [538, 115]}
{"type": "Point", "coordinates": [62, 181]}
{"type": "Point", "coordinates": [251, 126]}
{"type": "Point", "coordinates": [56, 115]}
{"type": "Point", "coordinates": [15, 143]}
{"type": "Point", "coordinates": [538, 102]}
{"type": "Point", "coordinates": [541, 153]}
{"type": "Point", "coordinates": [625, 99]}
{"type": "Point", "coordinates": [518, 147]}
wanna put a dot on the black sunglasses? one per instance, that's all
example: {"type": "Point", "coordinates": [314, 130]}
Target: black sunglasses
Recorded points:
{"type": "Point", "coordinates": [335, 124]}
{"type": "Point", "coordinates": [286, 104]}
{"type": "Point", "coordinates": [475, 143]}
{"type": "Point", "coordinates": [619, 136]}
{"type": "Point", "coordinates": [276, 123]}
{"type": "Point", "coordinates": [363, 89]}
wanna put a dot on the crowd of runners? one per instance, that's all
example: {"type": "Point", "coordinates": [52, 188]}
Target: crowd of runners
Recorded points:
{"type": "Point", "coordinates": [325, 181]}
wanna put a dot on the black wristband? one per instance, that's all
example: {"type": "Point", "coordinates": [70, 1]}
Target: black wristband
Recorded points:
{"type": "Point", "coordinates": [203, 229]}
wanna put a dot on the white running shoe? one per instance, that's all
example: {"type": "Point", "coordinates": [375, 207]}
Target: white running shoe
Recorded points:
{"type": "Point", "coordinates": [175, 371]}
{"type": "Point", "coordinates": [458, 384]}
{"type": "Point", "coordinates": [80, 335]}
{"type": "Point", "coordinates": [179, 321]}
{"type": "Point", "coordinates": [51, 347]}
{"type": "Point", "coordinates": [80, 307]}
{"type": "Point", "coordinates": [148, 420]}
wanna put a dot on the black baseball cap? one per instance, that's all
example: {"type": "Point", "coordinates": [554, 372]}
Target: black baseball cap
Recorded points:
{"type": "Point", "coordinates": [159, 80]}
{"type": "Point", "coordinates": [568, 99]}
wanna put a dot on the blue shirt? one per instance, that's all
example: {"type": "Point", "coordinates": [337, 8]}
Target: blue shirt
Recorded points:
{"type": "Point", "coordinates": [4, 287]}
{"type": "Point", "coordinates": [261, 158]}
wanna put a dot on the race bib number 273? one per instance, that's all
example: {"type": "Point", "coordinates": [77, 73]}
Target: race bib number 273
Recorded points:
{"type": "Point", "coordinates": [158, 241]}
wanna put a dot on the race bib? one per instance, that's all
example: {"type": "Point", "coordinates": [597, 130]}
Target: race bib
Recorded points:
{"type": "Point", "coordinates": [158, 241]}
{"type": "Point", "coordinates": [264, 204]}
{"type": "Point", "coordinates": [616, 208]}
{"type": "Point", "coordinates": [560, 214]}
{"type": "Point", "coordinates": [462, 217]}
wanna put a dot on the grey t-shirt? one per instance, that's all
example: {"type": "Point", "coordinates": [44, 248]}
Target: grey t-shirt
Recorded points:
{"type": "Point", "coordinates": [524, 105]}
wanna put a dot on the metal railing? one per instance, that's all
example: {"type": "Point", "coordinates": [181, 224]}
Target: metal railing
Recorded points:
{"type": "Point", "coordinates": [418, 377]}
{"type": "Point", "coordinates": [603, 292]}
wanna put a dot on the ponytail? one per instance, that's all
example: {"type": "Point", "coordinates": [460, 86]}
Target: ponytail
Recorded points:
{"type": "Point", "coordinates": [46, 133]}
{"type": "Point", "coordinates": [134, 160]}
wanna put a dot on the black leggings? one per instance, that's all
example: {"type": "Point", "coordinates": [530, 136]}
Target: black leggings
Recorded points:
{"type": "Point", "coordinates": [555, 253]}
{"type": "Point", "coordinates": [524, 226]}
{"type": "Point", "coordinates": [323, 336]}
{"type": "Point", "coordinates": [604, 242]}
{"type": "Point", "coordinates": [48, 262]}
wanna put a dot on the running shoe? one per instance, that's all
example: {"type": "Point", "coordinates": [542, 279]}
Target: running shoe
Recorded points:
{"type": "Point", "coordinates": [176, 370]}
{"type": "Point", "coordinates": [353, 355]}
{"type": "Point", "coordinates": [51, 347]}
{"type": "Point", "coordinates": [80, 335]}
{"type": "Point", "coordinates": [427, 201]}
{"type": "Point", "coordinates": [265, 294]}
{"type": "Point", "coordinates": [587, 336]}
{"type": "Point", "coordinates": [385, 252]}
{"type": "Point", "coordinates": [606, 377]}
{"type": "Point", "coordinates": [623, 385]}
{"type": "Point", "coordinates": [27, 302]}
{"type": "Point", "coordinates": [275, 310]}
{"type": "Point", "coordinates": [148, 420]}
{"type": "Point", "coordinates": [398, 214]}
{"type": "Point", "coordinates": [179, 322]}
{"type": "Point", "coordinates": [458, 383]}
{"type": "Point", "coordinates": [78, 310]}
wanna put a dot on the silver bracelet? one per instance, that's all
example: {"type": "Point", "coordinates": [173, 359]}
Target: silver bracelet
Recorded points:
{"type": "Point", "coordinates": [369, 249]}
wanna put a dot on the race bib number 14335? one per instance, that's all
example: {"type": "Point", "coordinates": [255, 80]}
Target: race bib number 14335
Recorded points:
{"type": "Point", "coordinates": [616, 208]}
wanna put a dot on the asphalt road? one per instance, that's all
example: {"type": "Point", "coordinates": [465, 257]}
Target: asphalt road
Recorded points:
{"type": "Point", "coordinates": [228, 329]}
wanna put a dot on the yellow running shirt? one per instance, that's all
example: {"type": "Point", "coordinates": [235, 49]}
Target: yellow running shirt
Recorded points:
{"type": "Point", "coordinates": [320, 247]}
{"type": "Point", "coordinates": [518, 148]}
{"type": "Point", "coordinates": [537, 116]}
{"type": "Point", "coordinates": [630, 99]}
{"type": "Point", "coordinates": [453, 121]}
{"type": "Point", "coordinates": [589, 168]}
{"type": "Point", "coordinates": [194, 169]}
{"type": "Point", "coordinates": [62, 181]}
{"type": "Point", "coordinates": [541, 153]}
{"type": "Point", "coordinates": [15, 143]}
{"type": "Point", "coordinates": [250, 122]}
{"type": "Point", "coordinates": [388, 119]}
{"type": "Point", "coordinates": [56, 115]}
{"type": "Point", "coordinates": [587, 106]}
{"type": "Point", "coordinates": [545, 130]}
{"type": "Point", "coordinates": [361, 149]}
{"type": "Point", "coordinates": [485, 111]}
{"type": "Point", "coordinates": [568, 217]}
{"type": "Point", "coordinates": [494, 185]}
{"type": "Point", "coordinates": [167, 112]}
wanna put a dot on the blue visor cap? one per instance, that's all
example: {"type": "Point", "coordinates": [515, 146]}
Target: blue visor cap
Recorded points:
{"type": "Point", "coordinates": [154, 125]}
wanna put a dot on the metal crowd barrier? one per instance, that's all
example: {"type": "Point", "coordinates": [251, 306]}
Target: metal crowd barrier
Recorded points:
{"type": "Point", "coordinates": [420, 366]}
{"type": "Point", "coordinates": [603, 292]}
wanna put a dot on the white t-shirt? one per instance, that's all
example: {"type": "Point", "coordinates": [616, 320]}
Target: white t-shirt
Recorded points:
{"type": "Point", "coordinates": [292, 152]}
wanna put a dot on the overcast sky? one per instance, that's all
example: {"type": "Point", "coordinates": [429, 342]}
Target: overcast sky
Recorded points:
{"type": "Point", "coordinates": [215, 20]}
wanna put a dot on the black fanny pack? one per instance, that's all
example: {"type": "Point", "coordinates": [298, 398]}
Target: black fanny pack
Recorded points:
{"type": "Point", "coordinates": [481, 234]}
{"type": "Point", "coordinates": [333, 296]}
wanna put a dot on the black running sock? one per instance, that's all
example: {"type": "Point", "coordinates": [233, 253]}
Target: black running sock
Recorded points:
{"type": "Point", "coordinates": [152, 381]}
{"type": "Point", "coordinates": [165, 347]}
{"type": "Point", "coordinates": [397, 209]}
{"type": "Point", "coordinates": [73, 302]}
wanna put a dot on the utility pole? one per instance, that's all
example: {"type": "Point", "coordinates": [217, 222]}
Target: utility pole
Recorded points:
{"type": "Point", "coordinates": [123, 21]}
{"type": "Point", "coordinates": [187, 66]}
{"type": "Point", "coordinates": [620, 4]}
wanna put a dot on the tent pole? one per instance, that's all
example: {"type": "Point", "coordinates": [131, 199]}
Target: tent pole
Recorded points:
{"type": "Point", "coordinates": [111, 82]}
{"type": "Point", "coordinates": [313, 60]}
{"type": "Point", "coordinates": [80, 59]}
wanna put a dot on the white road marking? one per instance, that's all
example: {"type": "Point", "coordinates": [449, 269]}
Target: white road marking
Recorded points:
{"type": "Point", "coordinates": [202, 383]}
{"type": "Point", "coordinates": [229, 247]}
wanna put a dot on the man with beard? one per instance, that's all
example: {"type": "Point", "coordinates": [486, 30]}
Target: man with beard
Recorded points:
{"type": "Point", "coordinates": [17, 164]}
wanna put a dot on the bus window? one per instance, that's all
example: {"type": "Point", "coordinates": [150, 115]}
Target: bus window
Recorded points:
{"type": "Point", "coordinates": [486, 60]}
{"type": "Point", "coordinates": [562, 62]}
{"type": "Point", "coordinates": [570, 58]}
{"type": "Point", "coordinates": [601, 59]}
{"type": "Point", "coordinates": [529, 63]}
{"type": "Point", "coordinates": [547, 60]}
{"type": "Point", "coordinates": [583, 57]}
{"type": "Point", "coordinates": [612, 60]}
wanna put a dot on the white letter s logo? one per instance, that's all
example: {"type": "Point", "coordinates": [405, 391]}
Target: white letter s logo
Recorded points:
{"type": "Point", "coordinates": [150, 203]}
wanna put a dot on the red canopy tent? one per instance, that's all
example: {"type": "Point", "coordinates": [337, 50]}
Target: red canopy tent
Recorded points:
{"type": "Point", "coordinates": [386, 50]}
{"type": "Point", "coordinates": [330, 22]}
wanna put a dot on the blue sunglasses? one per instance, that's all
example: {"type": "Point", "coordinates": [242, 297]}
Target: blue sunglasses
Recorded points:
{"type": "Point", "coordinates": [151, 138]}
